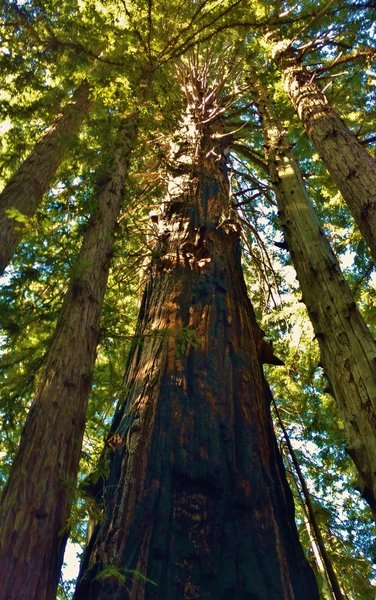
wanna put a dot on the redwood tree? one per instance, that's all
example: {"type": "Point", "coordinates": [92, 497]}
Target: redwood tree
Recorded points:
{"type": "Point", "coordinates": [196, 504]}
{"type": "Point", "coordinates": [36, 502]}
{"type": "Point", "coordinates": [23, 193]}
{"type": "Point", "coordinates": [351, 167]}
{"type": "Point", "coordinates": [347, 347]}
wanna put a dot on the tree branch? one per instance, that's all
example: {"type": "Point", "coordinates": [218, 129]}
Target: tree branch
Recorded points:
{"type": "Point", "coordinates": [252, 155]}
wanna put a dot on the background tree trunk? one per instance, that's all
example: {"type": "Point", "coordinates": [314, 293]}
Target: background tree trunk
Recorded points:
{"type": "Point", "coordinates": [348, 350]}
{"type": "Point", "coordinates": [352, 168]}
{"type": "Point", "coordinates": [196, 499]}
{"type": "Point", "coordinates": [25, 189]}
{"type": "Point", "coordinates": [322, 558]}
{"type": "Point", "coordinates": [36, 502]}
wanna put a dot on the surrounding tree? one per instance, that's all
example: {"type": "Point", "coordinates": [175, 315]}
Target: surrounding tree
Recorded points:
{"type": "Point", "coordinates": [36, 501]}
{"type": "Point", "coordinates": [21, 196]}
{"type": "Point", "coordinates": [345, 342]}
{"type": "Point", "coordinates": [350, 165]}
{"type": "Point", "coordinates": [324, 564]}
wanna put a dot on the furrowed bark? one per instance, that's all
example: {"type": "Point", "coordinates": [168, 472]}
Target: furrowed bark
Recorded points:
{"type": "Point", "coordinates": [196, 500]}
{"type": "Point", "coordinates": [348, 350]}
{"type": "Point", "coordinates": [26, 188]}
{"type": "Point", "coordinates": [36, 502]}
{"type": "Point", "coordinates": [353, 170]}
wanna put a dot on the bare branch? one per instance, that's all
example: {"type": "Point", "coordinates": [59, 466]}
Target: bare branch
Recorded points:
{"type": "Point", "coordinates": [150, 25]}
{"type": "Point", "coordinates": [252, 155]}
{"type": "Point", "coordinates": [312, 20]}
{"type": "Point", "coordinates": [192, 40]}
{"type": "Point", "coordinates": [341, 59]}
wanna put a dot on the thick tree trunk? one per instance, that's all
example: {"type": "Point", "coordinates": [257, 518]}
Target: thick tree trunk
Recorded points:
{"type": "Point", "coordinates": [36, 502]}
{"type": "Point", "coordinates": [196, 499]}
{"type": "Point", "coordinates": [348, 350]}
{"type": "Point", "coordinates": [25, 189]}
{"type": "Point", "coordinates": [351, 167]}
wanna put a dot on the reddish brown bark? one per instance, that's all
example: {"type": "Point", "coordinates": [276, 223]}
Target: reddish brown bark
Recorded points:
{"type": "Point", "coordinates": [25, 189]}
{"type": "Point", "coordinates": [36, 502]}
{"type": "Point", "coordinates": [347, 347]}
{"type": "Point", "coordinates": [196, 499]}
{"type": "Point", "coordinates": [351, 167]}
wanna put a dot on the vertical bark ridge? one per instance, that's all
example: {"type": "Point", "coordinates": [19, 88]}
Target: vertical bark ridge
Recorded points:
{"type": "Point", "coordinates": [25, 189]}
{"type": "Point", "coordinates": [36, 502]}
{"type": "Point", "coordinates": [196, 499]}
{"type": "Point", "coordinates": [348, 350]}
{"type": "Point", "coordinates": [353, 170]}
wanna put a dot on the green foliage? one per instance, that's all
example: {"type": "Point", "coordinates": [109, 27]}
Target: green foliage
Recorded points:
{"type": "Point", "coordinates": [13, 213]}
{"type": "Point", "coordinates": [185, 338]}
{"type": "Point", "coordinates": [112, 572]}
{"type": "Point", "coordinates": [121, 575]}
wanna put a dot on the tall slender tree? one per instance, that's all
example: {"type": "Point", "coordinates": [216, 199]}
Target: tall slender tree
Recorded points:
{"type": "Point", "coordinates": [347, 347]}
{"type": "Point", "coordinates": [23, 193]}
{"type": "Point", "coordinates": [35, 504]}
{"type": "Point", "coordinates": [196, 503]}
{"type": "Point", "coordinates": [321, 555]}
{"type": "Point", "coordinates": [348, 162]}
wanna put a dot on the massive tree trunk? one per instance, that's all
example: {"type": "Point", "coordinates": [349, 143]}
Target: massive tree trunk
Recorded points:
{"type": "Point", "coordinates": [196, 499]}
{"type": "Point", "coordinates": [348, 350]}
{"type": "Point", "coordinates": [25, 189]}
{"type": "Point", "coordinates": [36, 502]}
{"type": "Point", "coordinates": [351, 167]}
